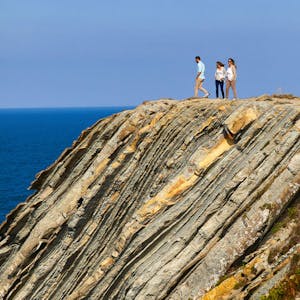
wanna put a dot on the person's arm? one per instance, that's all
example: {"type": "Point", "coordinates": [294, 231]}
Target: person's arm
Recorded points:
{"type": "Point", "coordinates": [199, 72]}
{"type": "Point", "coordinates": [234, 72]}
{"type": "Point", "coordinates": [224, 73]}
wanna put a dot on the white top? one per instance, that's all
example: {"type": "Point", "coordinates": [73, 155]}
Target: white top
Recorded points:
{"type": "Point", "coordinates": [229, 73]}
{"type": "Point", "coordinates": [220, 73]}
{"type": "Point", "coordinates": [201, 68]}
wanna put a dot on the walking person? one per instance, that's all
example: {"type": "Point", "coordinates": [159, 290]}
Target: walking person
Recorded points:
{"type": "Point", "coordinates": [231, 78]}
{"type": "Point", "coordinates": [220, 76]}
{"type": "Point", "coordinates": [200, 78]}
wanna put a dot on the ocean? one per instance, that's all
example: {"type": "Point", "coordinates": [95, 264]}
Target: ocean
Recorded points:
{"type": "Point", "coordinates": [32, 139]}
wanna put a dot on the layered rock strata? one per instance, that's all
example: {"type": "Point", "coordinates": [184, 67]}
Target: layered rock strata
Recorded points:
{"type": "Point", "coordinates": [193, 199]}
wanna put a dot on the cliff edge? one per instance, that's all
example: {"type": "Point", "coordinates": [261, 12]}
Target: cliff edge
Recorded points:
{"type": "Point", "coordinates": [193, 199]}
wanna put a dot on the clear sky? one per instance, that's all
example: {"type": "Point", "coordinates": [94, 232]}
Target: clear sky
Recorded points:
{"type": "Point", "coordinates": [114, 53]}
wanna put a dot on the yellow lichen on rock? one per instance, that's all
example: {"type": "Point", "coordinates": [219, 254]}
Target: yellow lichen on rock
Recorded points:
{"type": "Point", "coordinates": [231, 285]}
{"type": "Point", "coordinates": [222, 290]}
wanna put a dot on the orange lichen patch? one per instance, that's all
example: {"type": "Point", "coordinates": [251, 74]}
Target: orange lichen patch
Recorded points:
{"type": "Point", "coordinates": [232, 284]}
{"type": "Point", "coordinates": [221, 290]}
{"type": "Point", "coordinates": [242, 119]}
{"type": "Point", "coordinates": [247, 271]}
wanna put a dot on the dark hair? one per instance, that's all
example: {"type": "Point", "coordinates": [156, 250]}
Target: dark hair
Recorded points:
{"type": "Point", "coordinates": [232, 60]}
{"type": "Point", "coordinates": [198, 57]}
{"type": "Point", "coordinates": [220, 64]}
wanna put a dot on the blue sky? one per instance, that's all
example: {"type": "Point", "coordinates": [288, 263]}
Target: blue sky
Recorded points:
{"type": "Point", "coordinates": [113, 53]}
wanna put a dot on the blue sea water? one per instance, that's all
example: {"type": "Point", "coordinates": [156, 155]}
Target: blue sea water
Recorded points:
{"type": "Point", "coordinates": [32, 139]}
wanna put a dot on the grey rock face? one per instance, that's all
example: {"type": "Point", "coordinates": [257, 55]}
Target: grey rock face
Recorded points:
{"type": "Point", "coordinates": [159, 203]}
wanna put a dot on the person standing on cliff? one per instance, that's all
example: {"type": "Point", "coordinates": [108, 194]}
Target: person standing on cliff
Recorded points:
{"type": "Point", "coordinates": [231, 78]}
{"type": "Point", "coordinates": [220, 76]}
{"type": "Point", "coordinates": [200, 78]}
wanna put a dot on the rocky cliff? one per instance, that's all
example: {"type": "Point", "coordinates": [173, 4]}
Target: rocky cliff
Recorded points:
{"type": "Point", "coordinates": [193, 199]}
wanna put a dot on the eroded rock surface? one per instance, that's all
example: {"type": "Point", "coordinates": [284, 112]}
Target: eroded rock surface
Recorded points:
{"type": "Point", "coordinates": [161, 202]}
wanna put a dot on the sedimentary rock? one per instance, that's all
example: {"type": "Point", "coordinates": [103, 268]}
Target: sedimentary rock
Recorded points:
{"type": "Point", "coordinates": [171, 200]}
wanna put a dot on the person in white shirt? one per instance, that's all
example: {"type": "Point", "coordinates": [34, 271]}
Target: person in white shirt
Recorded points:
{"type": "Point", "coordinates": [200, 78]}
{"type": "Point", "coordinates": [220, 76]}
{"type": "Point", "coordinates": [231, 78]}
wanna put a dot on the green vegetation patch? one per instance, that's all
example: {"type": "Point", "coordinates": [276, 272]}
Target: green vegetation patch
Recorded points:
{"type": "Point", "coordinates": [289, 286]}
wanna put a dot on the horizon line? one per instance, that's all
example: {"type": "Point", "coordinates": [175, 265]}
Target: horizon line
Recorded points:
{"type": "Point", "coordinates": [64, 107]}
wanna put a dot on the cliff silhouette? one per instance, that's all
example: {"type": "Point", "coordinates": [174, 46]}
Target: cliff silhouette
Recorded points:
{"type": "Point", "coordinates": [192, 199]}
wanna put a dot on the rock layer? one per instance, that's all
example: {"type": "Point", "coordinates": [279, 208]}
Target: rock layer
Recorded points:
{"type": "Point", "coordinates": [162, 202]}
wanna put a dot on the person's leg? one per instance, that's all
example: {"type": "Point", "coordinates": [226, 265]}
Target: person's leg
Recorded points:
{"type": "Point", "coordinates": [233, 85]}
{"type": "Point", "coordinates": [197, 82]}
{"type": "Point", "coordinates": [202, 89]}
{"type": "Point", "coordinates": [227, 88]}
{"type": "Point", "coordinates": [222, 88]}
{"type": "Point", "coordinates": [217, 88]}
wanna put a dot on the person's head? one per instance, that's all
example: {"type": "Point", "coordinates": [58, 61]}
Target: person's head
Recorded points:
{"type": "Point", "coordinates": [197, 59]}
{"type": "Point", "coordinates": [219, 64]}
{"type": "Point", "coordinates": [231, 61]}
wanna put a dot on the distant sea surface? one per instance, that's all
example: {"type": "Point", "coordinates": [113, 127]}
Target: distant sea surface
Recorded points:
{"type": "Point", "coordinates": [32, 139]}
